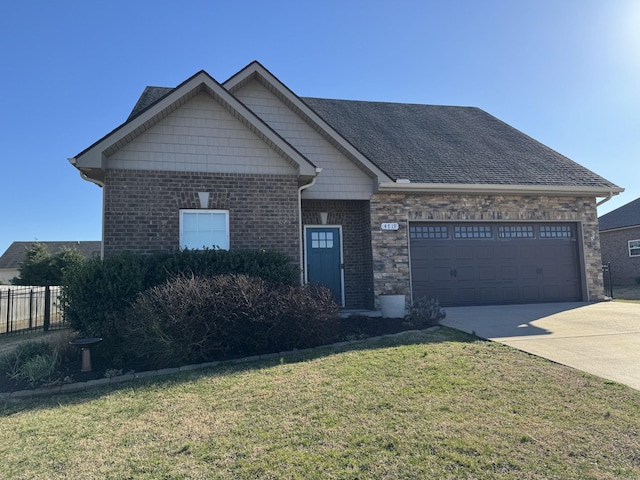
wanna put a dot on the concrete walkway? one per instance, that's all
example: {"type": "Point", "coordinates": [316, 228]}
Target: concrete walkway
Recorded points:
{"type": "Point", "coordinates": [600, 338]}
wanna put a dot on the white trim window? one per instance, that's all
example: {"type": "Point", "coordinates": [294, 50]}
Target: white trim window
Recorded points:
{"type": "Point", "coordinates": [200, 229]}
{"type": "Point", "coordinates": [634, 248]}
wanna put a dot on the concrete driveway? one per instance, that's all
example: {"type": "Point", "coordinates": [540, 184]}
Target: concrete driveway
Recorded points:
{"type": "Point", "coordinates": [600, 338]}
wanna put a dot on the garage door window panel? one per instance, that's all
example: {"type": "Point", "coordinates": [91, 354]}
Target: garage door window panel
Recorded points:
{"type": "Point", "coordinates": [556, 231]}
{"type": "Point", "coordinates": [472, 231]}
{"type": "Point", "coordinates": [515, 231]}
{"type": "Point", "coordinates": [431, 231]}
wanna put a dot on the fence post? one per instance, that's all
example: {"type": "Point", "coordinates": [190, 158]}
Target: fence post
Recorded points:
{"type": "Point", "coordinates": [8, 309]}
{"type": "Point", "coordinates": [606, 280]}
{"type": "Point", "coordinates": [30, 308]}
{"type": "Point", "coordinates": [47, 308]}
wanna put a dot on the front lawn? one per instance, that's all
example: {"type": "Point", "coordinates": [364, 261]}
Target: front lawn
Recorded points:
{"type": "Point", "coordinates": [432, 404]}
{"type": "Point", "coordinates": [626, 292]}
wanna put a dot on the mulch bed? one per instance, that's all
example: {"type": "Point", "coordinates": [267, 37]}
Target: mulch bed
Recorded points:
{"type": "Point", "coordinates": [69, 373]}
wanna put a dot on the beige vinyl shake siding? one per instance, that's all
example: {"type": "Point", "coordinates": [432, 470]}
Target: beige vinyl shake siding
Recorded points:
{"type": "Point", "coordinates": [341, 179]}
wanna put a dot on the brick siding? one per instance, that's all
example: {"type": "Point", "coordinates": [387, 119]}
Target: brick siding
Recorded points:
{"type": "Point", "coordinates": [354, 218]}
{"type": "Point", "coordinates": [615, 250]}
{"type": "Point", "coordinates": [391, 250]}
{"type": "Point", "coordinates": [142, 209]}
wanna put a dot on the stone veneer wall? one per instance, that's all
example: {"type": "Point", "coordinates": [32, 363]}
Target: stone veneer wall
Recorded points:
{"type": "Point", "coordinates": [615, 250]}
{"type": "Point", "coordinates": [142, 209]}
{"type": "Point", "coordinates": [354, 217]}
{"type": "Point", "coordinates": [391, 250]}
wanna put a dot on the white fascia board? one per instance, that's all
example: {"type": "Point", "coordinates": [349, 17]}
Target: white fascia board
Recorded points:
{"type": "Point", "coordinates": [255, 68]}
{"type": "Point", "coordinates": [487, 189]}
{"type": "Point", "coordinates": [94, 156]}
{"type": "Point", "coordinates": [91, 158]}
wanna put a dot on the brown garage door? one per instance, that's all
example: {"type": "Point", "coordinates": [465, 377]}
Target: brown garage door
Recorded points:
{"type": "Point", "coordinates": [488, 263]}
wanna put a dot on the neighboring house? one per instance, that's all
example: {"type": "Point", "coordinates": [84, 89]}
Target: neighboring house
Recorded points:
{"type": "Point", "coordinates": [620, 241]}
{"type": "Point", "coordinates": [17, 252]}
{"type": "Point", "coordinates": [368, 197]}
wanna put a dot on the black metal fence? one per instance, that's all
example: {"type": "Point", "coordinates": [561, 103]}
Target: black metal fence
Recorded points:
{"type": "Point", "coordinates": [25, 309]}
{"type": "Point", "coordinates": [606, 279]}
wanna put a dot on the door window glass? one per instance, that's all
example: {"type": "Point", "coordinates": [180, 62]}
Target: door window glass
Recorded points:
{"type": "Point", "coordinates": [321, 239]}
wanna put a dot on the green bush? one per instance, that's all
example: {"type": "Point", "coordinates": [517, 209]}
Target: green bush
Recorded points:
{"type": "Point", "coordinates": [11, 362]}
{"type": "Point", "coordinates": [40, 368]}
{"type": "Point", "coordinates": [41, 267]}
{"type": "Point", "coordinates": [272, 267]}
{"type": "Point", "coordinates": [97, 293]}
{"type": "Point", "coordinates": [193, 319]}
{"type": "Point", "coordinates": [425, 313]}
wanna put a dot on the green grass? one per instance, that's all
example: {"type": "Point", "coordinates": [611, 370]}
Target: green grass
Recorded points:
{"type": "Point", "coordinates": [626, 293]}
{"type": "Point", "coordinates": [434, 404]}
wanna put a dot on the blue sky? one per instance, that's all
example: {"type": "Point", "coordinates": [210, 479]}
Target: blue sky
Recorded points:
{"type": "Point", "coordinates": [566, 72]}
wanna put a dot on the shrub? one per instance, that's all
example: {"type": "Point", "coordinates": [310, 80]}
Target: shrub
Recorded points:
{"type": "Point", "coordinates": [32, 361]}
{"type": "Point", "coordinates": [97, 293]}
{"type": "Point", "coordinates": [425, 313]}
{"type": "Point", "coordinates": [193, 318]}
{"type": "Point", "coordinates": [40, 368]}
{"type": "Point", "coordinates": [41, 267]}
{"type": "Point", "coordinates": [11, 362]}
{"type": "Point", "coordinates": [272, 267]}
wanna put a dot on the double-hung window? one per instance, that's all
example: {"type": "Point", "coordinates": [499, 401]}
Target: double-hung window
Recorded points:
{"type": "Point", "coordinates": [634, 248]}
{"type": "Point", "coordinates": [200, 229]}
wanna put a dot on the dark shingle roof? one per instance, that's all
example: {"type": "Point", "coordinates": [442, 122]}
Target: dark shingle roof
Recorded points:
{"type": "Point", "coordinates": [625, 216]}
{"type": "Point", "coordinates": [17, 251]}
{"type": "Point", "coordinates": [444, 144]}
{"type": "Point", "coordinates": [439, 144]}
{"type": "Point", "coordinates": [149, 96]}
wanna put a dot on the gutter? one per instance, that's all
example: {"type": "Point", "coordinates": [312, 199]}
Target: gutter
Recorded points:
{"type": "Point", "coordinates": [403, 185]}
{"type": "Point", "coordinates": [84, 176]}
{"type": "Point", "coordinates": [300, 190]}
{"type": "Point", "coordinates": [89, 179]}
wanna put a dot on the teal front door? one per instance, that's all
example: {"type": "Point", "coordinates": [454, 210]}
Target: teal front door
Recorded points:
{"type": "Point", "coordinates": [324, 259]}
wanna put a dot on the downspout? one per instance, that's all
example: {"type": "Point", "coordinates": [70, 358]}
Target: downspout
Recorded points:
{"type": "Point", "coordinates": [606, 199]}
{"type": "Point", "coordinates": [300, 232]}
